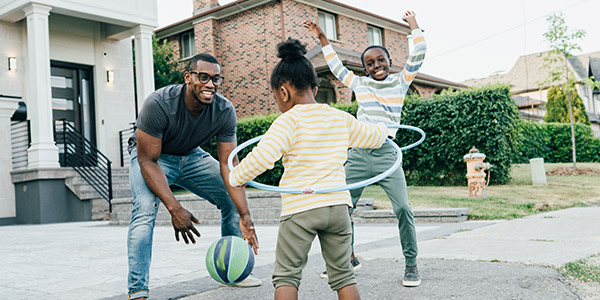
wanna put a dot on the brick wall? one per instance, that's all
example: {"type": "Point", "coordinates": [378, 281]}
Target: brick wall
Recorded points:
{"type": "Point", "coordinates": [200, 5]}
{"type": "Point", "coordinates": [245, 44]}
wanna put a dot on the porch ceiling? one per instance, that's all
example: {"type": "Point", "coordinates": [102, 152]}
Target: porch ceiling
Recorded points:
{"type": "Point", "coordinates": [120, 16]}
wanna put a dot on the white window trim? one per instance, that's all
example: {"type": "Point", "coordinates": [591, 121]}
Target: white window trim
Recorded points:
{"type": "Point", "coordinates": [192, 47]}
{"type": "Point", "coordinates": [324, 28]}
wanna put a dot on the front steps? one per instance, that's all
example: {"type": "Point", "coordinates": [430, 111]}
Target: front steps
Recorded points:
{"type": "Point", "coordinates": [265, 208]}
{"type": "Point", "coordinates": [85, 192]}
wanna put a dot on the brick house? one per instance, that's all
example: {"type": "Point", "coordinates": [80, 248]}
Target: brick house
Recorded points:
{"type": "Point", "coordinates": [243, 34]}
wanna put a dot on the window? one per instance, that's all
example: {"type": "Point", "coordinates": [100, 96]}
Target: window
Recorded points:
{"type": "Point", "coordinates": [375, 36]}
{"type": "Point", "coordinates": [326, 93]}
{"type": "Point", "coordinates": [187, 45]}
{"type": "Point", "coordinates": [328, 24]}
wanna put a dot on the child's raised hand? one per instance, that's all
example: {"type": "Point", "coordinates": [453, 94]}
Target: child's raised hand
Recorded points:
{"type": "Point", "coordinates": [410, 18]}
{"type": "Point", "coordinates": [317, 32]}
{"type": "Point", "coordinates": [313, 27]}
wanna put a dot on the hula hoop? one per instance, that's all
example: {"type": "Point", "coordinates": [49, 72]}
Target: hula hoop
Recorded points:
{"type": "Point", "coordinates": [352, 186]}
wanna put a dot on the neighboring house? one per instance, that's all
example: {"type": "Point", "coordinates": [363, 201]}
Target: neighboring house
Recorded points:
{"type": "Point", "coordinates": [528, 78]}
{"type": "Point", "coordinates": [66, 60]}
{"type": "Point", "coordinates": [242, 35]}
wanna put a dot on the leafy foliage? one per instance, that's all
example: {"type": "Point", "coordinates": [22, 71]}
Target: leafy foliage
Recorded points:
{"type": "Point", "coordinates": [483, 117]}
{"type": "Point", "coordinates": [552, 141]}
{"type": "Point", "coordinates": [455, 122]}
{"type": "Point", "coordinates": [167, 69]}
{"type": "Point", "coordinates": [557, 107]}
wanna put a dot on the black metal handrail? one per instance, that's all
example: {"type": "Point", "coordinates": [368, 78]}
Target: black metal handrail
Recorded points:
{"type": "Point", "coordinates": [85, 159]}
{"type": "Point", "coordinates": [123, 143]}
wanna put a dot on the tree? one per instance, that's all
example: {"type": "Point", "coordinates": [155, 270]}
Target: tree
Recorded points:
{"type": "Point", "coordinates": [167, 70]}
{"type": "Point", "coordinates": [557, 105]}
{"type": "Point", "coordinates": [562, 43]}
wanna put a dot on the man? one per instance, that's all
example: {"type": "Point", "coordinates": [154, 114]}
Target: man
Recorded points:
{"type": "Point", "coordinates": [173, 123]}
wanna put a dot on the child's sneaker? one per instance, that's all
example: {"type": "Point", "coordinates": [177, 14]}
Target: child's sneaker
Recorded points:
{"type": "Point", "coordinates": [355, 265]}
{"type": "Point", "coordinates": [411, 277]}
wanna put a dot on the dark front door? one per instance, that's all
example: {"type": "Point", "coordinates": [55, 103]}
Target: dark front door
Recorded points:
{"type": "Point", "coordinates": [73, 102]}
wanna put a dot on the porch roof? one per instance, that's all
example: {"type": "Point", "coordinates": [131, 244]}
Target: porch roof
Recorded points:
{"type": "Point", "coordinates": [119, 17]}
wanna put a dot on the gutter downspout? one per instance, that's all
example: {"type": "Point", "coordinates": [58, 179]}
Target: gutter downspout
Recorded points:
{"type": "Point", "coordinates": [282, 20]}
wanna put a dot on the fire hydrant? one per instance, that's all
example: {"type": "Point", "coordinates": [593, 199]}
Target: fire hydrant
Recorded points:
{"type": "Point", "coordinates": [476, 173]}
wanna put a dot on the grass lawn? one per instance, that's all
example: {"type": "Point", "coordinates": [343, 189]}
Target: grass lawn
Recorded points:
{"type": "Point", "coordinates": [517, 199]}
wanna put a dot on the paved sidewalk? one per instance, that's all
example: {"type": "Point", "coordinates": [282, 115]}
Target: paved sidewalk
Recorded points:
{"type": "Point", "coordinates": [89, 260]}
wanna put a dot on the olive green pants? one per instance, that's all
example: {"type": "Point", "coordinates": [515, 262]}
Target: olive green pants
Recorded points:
{"type": "Point", "coordinates": [296, 234]}
{"type": "Point", "coordinates": [366, 163]}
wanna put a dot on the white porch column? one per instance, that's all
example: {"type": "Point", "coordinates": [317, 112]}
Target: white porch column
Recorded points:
{"type": "Point", "coordinates": [43, 153]}
{"type": "Point", "coordinates": [7, 197]}
{"type": "Point", "coordinates": [144, 64]}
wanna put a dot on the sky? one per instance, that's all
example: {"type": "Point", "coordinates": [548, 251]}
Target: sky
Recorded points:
{"type": "Point", "coordinates": [466, 38]}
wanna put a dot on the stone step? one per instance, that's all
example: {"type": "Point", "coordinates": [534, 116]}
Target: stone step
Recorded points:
{"type": "Point", "coordinates": [264, 207]}
{"type": "Point", "coordinates": [92, 194]}
{"type": "Point", "coordinates": [426, 215]}
{"type": "Point", "coordinates": [116, 179]}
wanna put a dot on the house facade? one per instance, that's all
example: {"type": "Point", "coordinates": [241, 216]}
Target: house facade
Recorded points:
{"type": "Point", "coordinates": [243, 34]}
{"type": "Point", "coordinates": [528, 79]}
{"type": "Point", "coordinates": [66, 64]}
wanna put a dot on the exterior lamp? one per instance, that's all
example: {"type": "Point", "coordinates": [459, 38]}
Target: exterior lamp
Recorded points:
{"type": "Point", "coordinates": [110, 76]}
{"type": "Point", "coordinates": [12, 64]}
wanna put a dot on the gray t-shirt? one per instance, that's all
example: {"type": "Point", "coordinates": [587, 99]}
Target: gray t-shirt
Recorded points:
{"type": "Point", "coordinates": [165, 116]}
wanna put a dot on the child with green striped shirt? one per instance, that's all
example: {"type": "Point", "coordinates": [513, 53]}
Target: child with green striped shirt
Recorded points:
{"type": "Point", "coordinates": [380, 97]}
{"type": "Point", "coordinates": [313, 140]}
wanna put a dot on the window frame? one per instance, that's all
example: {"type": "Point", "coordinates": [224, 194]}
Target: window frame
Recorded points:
{"type": "Point", "coordinates": [324, 26]}
{"type": "Point", "coordinates": [370, 29]}
{"type": "Point", "coordinates": [191, 46]}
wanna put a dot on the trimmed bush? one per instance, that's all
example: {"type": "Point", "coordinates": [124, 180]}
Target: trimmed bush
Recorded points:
{"type": "Point", "coordinates": [454, 122]}
{"type": "Point", "coordinates": [552, 141]}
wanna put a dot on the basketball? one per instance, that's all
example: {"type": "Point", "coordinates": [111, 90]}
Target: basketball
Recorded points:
{"type": "Point", "coordinates": [229, 260]}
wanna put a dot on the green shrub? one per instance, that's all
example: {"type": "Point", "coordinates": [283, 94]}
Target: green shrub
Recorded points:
{"type": "Point", "coordinates": [455, 122]}
{"type": "Point", "coordinates": [552, 141]}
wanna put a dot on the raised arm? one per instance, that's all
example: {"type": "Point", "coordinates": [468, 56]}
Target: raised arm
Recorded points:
{"type": "Point", "coordinates": [346, 76]}
{"type": "Point", "coordinates": [415, 60]}
{"type": "Point", "coordinates": [317, 32]}
{"type": "Point", "coordinates": [148, 151]}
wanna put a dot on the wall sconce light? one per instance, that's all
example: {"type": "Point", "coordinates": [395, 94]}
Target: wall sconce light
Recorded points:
{"type": "Point", "coordinates": [12, 64]}
{"type": "Point", "coordinates": [110, 76]}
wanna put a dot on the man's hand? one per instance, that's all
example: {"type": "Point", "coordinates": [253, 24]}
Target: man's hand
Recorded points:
{"type": "Point", "coordinates": [248, 232]}
{"type": "Point", "coordinates": [317, 32]}
{"type": "Point", "coordinates": [182, 223]}
{"type": "Point", "coordinates": [410, 18]}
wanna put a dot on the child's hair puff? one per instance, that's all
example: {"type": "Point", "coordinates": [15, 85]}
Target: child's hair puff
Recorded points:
{"type": "Point", "coordinates": [294, 67]}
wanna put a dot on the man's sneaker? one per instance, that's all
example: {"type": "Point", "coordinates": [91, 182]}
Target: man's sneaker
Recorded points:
{"type": "Point", "coordinates": [355, 265]}
{"type": "Point", "coordinates": [250, 281]}
{"type": "Point", "coordinates": [411, 277]}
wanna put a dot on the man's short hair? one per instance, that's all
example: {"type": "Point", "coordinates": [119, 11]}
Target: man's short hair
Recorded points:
{"type": "Point", "coordinates": [201, 57]}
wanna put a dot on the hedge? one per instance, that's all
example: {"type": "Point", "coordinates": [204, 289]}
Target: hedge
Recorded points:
{"type": "Point", "coordinates": [454, 122]}
{"type": "Point", "coordinates": [552, 141]}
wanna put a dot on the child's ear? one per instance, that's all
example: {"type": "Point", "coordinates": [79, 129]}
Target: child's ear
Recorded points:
{"type": "Point", "coordinates": [315, 91]}
{"type": "Point", "coordinates": [390, 62]}
{"type": "Point", "coordinates": [285, 93]}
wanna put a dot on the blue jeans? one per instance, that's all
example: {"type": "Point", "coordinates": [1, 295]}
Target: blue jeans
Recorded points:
{"type": "Point", "coordinates": [197, 172]}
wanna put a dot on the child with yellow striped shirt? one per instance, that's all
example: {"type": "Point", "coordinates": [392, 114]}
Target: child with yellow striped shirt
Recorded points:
{"type": "Point", "coordinates": [313, 140]}
{"type": "Point", "coordinates": [380, 97]}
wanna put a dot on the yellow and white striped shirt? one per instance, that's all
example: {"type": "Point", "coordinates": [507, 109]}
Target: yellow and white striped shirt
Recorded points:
{"type": "Point", "coordinates": [313, 140]}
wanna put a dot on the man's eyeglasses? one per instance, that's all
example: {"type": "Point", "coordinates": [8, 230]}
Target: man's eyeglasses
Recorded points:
{"type": "Point", "coordinates": [204, 77]}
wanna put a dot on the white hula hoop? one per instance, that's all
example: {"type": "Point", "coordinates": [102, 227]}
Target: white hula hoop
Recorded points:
{"type": "Point", "coordinates": [352, 186]}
